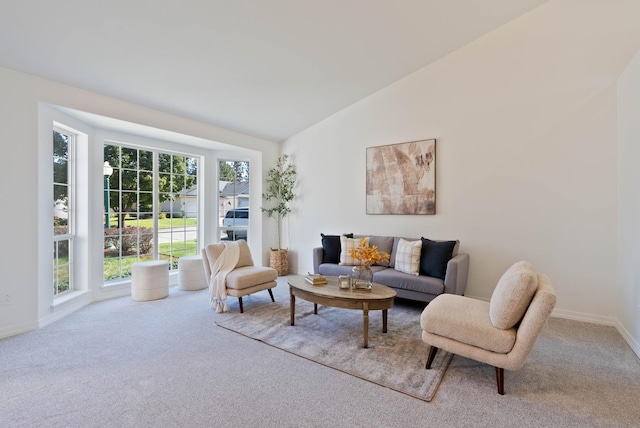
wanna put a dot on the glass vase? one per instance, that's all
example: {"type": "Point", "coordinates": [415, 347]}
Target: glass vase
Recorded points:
{"type": "Point", "coordinates": [361, 277]}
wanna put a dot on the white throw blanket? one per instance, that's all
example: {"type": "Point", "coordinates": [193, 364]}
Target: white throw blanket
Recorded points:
{"type": "Point", "coordinates": [225, 263]}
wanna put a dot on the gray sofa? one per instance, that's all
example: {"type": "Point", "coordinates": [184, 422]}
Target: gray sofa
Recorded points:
{"type": "Point", "coordinates": [451, 268]}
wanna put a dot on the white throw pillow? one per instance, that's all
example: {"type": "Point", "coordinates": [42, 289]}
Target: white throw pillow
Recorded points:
{"type": "Point", "coordinates": [408, 256]}
{"type": "Point", "coordinates": [345, 245]}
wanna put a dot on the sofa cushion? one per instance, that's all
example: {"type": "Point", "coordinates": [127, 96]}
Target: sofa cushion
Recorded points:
{"type": "Point", "coordinates": [408, 257]}
{"type": "Point", "coordinates": [434, 257]}
{"type": "Point", "coordinates": [347, 244]}
{"type": "Point", "coordinates": [332, 269]}
{"type": "Point", "coordinates": [331, 247]}
{"type": "Point", "coordinates": [384, 244]}
{"type": "Point", "coordinates": [398, 280]}
{"type": "Point", "coordinates": [512, 295]}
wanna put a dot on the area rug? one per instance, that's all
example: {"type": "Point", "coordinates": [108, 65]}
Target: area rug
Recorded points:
{"type": "Point", "coordinates": [334, 338]}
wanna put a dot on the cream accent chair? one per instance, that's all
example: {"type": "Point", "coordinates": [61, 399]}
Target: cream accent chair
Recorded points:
{"type": "Point", "coordinates": [500, 332]}
{"type": "Point", "coordinates": [245, 278]}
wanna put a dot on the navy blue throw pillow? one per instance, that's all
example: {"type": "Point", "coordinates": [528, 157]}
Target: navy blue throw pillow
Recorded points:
{"type": "Point", "coordinates": [331, 247]}
{"type": "Point", "coordinates": [435, 256]}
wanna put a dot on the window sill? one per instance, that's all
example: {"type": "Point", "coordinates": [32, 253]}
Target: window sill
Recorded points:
{"type": "Point", "coordinates": [126, 283]}
{"type": "Point", "coordinates": [117, 285]}
{"type": "Point", "coordinates": [69, 299]}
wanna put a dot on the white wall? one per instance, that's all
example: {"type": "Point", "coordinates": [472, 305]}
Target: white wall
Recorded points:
{"type": "Point", "coordinates": [628, 287]}
{"type": "Point", "coordinates": [19, 145]}
{"type": "Point", "coordinates": [525, 122]}
{"type": "Point", "coordinates": [22, 96]}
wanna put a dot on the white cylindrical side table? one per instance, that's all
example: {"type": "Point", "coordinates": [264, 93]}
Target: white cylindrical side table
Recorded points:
{"type": "Point", "coordinates": [149, 280]}
{"type": "Point", "coordinates": [191, 273]}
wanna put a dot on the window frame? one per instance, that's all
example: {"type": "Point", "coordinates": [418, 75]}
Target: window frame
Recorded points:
{"type": "Point", "coordinates": [232, 203]}
{"type": "Point", "coordinates": [71, 214]}
{"type": "Point", "coordinates": [156, 195]}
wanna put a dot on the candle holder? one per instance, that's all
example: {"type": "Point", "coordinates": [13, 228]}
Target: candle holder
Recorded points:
{"type": "Point", "coordinates": [344, 282]}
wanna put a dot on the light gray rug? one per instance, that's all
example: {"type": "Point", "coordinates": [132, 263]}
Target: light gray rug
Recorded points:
{"type": "Point", "coordinates": [334, 338]}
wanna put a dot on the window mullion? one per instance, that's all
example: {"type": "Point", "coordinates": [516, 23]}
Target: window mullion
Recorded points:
{"type": "Point", "coordinates": [155, 203]}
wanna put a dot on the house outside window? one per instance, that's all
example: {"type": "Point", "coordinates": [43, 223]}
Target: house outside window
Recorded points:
{"type": "Point", "coordinates": [233, 201]}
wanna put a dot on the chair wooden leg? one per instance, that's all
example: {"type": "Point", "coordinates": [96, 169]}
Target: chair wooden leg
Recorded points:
{"type": "Point", "coordinates": [241, 308]}
{"type": "Point", "coordinates": [271, 294]}
{"type": "Point", "coordinates": [500, 380]}
{"type": "Point", "coordinates": [432, 355]}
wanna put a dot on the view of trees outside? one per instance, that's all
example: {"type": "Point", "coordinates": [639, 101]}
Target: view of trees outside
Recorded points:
{"type": "Point", "coordinates": [178, 204]}
{"type": "Point", "coordinates": [129, 210]}
{"type": "Point", "coordinates": [234, 171]}
{"type": "Point", "coordinates": [225, 172]}
{"type": "Point", "coordinates": [129, 215]}
{"type": "Point", "coordinates": [61, 214]}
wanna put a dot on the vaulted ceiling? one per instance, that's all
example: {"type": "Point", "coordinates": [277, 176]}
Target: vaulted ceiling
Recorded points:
{"type": "Point", "coordinates": [266, 68]}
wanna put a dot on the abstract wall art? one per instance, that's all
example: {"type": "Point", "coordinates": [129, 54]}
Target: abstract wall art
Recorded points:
{"type": "Point", "coordinates": [401, 178]}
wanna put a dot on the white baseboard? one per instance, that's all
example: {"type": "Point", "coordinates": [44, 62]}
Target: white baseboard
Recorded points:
{"type": "Point", "coordinates": [581, 316]}
{"type": "Point", "coordinates": [595, 319]}
{"type": "Point", "coordinates": [112, 291]}
{"type": "Point", "coordinates": [63, 307]}
{"type": "Point", "coordinates": [15, 330]}
{"type": "Point", "coordinates": [633, 343]}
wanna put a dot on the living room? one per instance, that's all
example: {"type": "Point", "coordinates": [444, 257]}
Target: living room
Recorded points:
{"type": "Point", "coordinates": [535, 125]}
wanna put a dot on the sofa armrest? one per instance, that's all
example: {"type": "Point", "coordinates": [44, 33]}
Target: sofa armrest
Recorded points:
{"type": "Point", "coordinates": [318, 252]}
{"type": "Point", "coordinates": [455, 280]}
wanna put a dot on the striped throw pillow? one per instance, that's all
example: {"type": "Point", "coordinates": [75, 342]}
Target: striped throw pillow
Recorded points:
{"type": "Point", "coordinates": [345, 245]}
{"type": "Point", "coordinates": [408, 257]}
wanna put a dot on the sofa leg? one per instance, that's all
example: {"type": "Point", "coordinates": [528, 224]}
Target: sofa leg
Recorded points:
{"type": "Point", "coordinates": [241, 308]}
{"type": "Point", "coordinates": [500, 380]}
{"type": "Point", "coordinates": [271, 294]}
{"type": "Point", "coordinates": [432, 355]}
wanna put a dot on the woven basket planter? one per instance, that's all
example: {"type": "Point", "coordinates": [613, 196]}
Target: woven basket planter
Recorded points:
{"type": "Point", "coordinates": [279, 260]}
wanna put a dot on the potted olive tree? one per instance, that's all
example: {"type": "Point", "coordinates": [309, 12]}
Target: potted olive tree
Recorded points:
{"type": "Point", "coordinates": [279, 193]}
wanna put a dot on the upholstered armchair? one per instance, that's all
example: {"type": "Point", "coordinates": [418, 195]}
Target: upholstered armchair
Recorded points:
{"type": "Point", "coordinates": [500, 332]}
{"type": "Point", "coordinates": [244, 278]}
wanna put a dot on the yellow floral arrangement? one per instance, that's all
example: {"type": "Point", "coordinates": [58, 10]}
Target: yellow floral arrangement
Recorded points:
{"type": "Point", "coordinates": [368, 255]}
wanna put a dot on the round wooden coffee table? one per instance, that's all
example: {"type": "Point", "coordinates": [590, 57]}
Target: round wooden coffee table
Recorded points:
{"type": "Point", "coordinates": [380, 297]}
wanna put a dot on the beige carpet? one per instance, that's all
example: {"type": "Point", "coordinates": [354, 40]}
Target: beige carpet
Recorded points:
{"type": "Point", "coordinates": [334, 338]}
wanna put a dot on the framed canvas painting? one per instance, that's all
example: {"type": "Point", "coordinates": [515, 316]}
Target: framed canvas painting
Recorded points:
{"type": "Point", "coordinates": [401, 178]}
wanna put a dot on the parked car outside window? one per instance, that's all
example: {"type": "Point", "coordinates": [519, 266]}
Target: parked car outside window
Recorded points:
{"type": "Point", "coordinates": [237, 217]}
